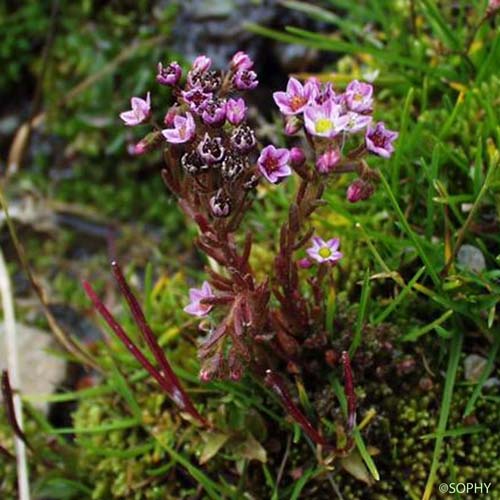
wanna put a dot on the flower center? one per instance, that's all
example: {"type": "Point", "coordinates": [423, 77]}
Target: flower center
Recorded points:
{"type": "Point", "coordinates": [297, 102]}
{"type": "Point", "coordinates": [323, 125]}
{"type": "Point", "coordinates": [358, 97]}
{"type": "Point", "coordinates": [325, 252]}
{"type": "Point", "coordinates": [378, 140]}
{"type": "Point", "coordinates": [272, 165]}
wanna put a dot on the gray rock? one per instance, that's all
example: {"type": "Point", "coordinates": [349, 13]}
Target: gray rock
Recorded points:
{"type": "Point", "coordinates": [471, 258]}
{"type": "Point", "coordinates": [40, 371]}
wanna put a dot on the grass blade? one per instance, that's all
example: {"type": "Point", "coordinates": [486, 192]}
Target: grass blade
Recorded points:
{"type": "Point", "coordinates": [411, 234]}
{"type": "Point", "coordinates": [451, 372]}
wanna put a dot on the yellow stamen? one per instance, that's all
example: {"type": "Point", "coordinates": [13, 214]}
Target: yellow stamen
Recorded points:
{"type": "Point", "coordinates": [325, 252]}
{"type": "Point", "coordinates": [323, 125]}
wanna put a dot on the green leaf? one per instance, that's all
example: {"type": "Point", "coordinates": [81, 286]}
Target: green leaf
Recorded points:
{"type": "Point", "coordinates": [363, 306]}
{"type": "Point", "coordinates": [214, 441]}
{"type": "Point", "coordinates": [355, 465]}
{"type": "Point", "coordinates": [251, 449]}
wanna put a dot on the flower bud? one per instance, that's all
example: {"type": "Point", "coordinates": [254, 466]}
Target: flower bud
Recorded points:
{"type": "Point", "coordinates": [241, 60]}
{"type": "Point", "coordinates": [205, 376]}
{"type": "Point", "coordinates": [359, 190]}
{"type": "Point", "coordinates": [235, 111]}
{"type": "Point", "coordinates": [170, 115]}
{"type": "Point", "coordinates": [327, 161]}
{"type": "Point", "coordinates": [304, 263]}
{"type": "Point", "coordinates": [293, 124]}
{"type": "Point", "coordinates": [201, 64]}
{"type": "Point", "coordinates": [297, 157]}
{"type": "Point", "coordinates": [146, 144]}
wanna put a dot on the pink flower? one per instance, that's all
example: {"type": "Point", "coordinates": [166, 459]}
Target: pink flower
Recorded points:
{"type": "Point", "coordinates": [196, 295]}
{"type": "Point", "coordinates": [297, 157]}
{"type": "Point", "coordinates": [357, 122]}
{"type": "Point", "coordinates": [296, 97]}
{"type": "Point", "coordinates": [201, 64]}
{"type": "Point", "coordinates": [184, 129]}
{"type": "Point", "coordinates": [324, 251]}
{"type": "Point", "coordinates": [326, 94]}
{"type": "Point", "coordinates": [241, 60]}
{"type": "Point", "coordinates": [196, 98]}
{"type": "Point", "coordinates": [379, 140]}
{"type": "Point", "coordinates": [140, 112]}
{"type": "Point", "coordinates": [325, 120]}
{"type": "Point", "coordinates": [169, 75]}
{"type": "Point", "coordinates": [327, 161]}
{"type": "Point", "coordinates": [214, 112]}
{"type": "Point", "coordinates": [358, 97]}
{"type": "Point", "coordinates": [245, 79]}
{"type": "Point", "coordinates": [359, 190]}
{"type": "Point", "coordinates": [273, 163]}
{"type": "Point", "coordinates": [235, 110]}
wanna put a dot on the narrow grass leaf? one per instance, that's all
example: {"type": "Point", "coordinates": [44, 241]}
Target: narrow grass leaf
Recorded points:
{"type": "Point", "coordinates": [451, 372]}
{"type": "Point", "coordinates": [362, 312]}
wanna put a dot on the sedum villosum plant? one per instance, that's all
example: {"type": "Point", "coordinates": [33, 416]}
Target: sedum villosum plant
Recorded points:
{"type": "Point", "coordinates": [213, 163]}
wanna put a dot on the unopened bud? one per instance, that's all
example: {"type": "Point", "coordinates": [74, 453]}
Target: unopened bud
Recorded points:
{"type": "Point", "coordinates": [359, 190]}
{"type": "Point", "coordinates": [146, 144]}
{"type": "Point", "coordinates": [292, 125]}
{"type": "Point", "coordinates": [327, 161]}
{"type": "Point", "coordinates": [169, 117]}
{"type": "Point", "coordinates": [304, 263]}
{"type": "Point", "coordinates": [297, 157]}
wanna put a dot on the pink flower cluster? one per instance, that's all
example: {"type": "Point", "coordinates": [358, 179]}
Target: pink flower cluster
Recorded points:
{"type": "Point", "coordinates": [332, 121]}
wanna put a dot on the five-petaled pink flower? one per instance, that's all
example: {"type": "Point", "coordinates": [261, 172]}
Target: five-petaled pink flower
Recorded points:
{"type": "Point", "coordinates": [325, 251]}
{"type": "Point", "coordinates": [358, 97]}
{"type": "Point", "coordinates": [325, 120]}
{"type": "Point", "coordinates": [196, 295]}
{"type": "Point", "coordinates": [140, 112]}
{"type": "Point", "coordinates": [184, 129]}
{"type": "Point", "coordinates": [296, 97]}
{"type": "Point", "coordinates": [379, 140]}
{"type": "Point", "coordinates": [273, 163]}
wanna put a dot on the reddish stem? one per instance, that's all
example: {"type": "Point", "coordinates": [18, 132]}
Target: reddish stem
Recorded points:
{"type": "Point", "coordinates": [170, 385]}
{"type": "Point", "coordinates": [277, 384]}
{"type": "Point", "coordinates": [349, 392]}
{"type": "Point", "coordinates": [8, 401]}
